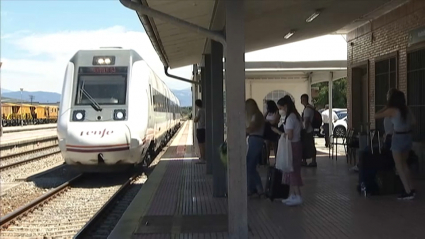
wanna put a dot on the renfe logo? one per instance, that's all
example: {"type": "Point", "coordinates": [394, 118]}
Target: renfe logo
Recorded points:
{"type": "Point", "coordinates": [95, 132]}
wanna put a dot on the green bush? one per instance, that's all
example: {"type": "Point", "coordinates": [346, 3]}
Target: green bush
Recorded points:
{"type": "Point", "coordinates": [223, 153]}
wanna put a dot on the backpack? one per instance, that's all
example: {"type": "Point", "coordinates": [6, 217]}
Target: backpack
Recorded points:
{"type": "Point", "coordinates": [269, 134]}
{"type": "Point", "coordinates": [317, 119]}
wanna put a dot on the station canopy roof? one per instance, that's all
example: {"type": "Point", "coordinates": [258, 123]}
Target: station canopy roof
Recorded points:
{"type": "Point", "coordinates": [266, 23]}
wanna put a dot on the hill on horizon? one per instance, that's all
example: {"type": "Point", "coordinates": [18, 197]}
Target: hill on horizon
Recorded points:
{"type": "Point", "coordinates": [184, 95]}
{"type": "Point", "coordinates": [39, 96]}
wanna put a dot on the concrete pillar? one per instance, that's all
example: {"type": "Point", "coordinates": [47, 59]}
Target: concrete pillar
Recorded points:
{"type": "Point", "coordinates": [219, 171]}
{"type": "Point", "coordinates": [207, 102]}
{"type": "Point", "coordinates": [235, 100]}
{"type": "Point", "coordinates": [195, 96]}
{"type": "Point", "coordinates": [330, 92]}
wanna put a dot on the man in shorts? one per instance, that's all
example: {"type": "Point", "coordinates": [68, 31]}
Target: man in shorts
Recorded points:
{"type": "Point", "coordinates": [200, 129]}
{"type": "Point", "coordinates": [307, 133]}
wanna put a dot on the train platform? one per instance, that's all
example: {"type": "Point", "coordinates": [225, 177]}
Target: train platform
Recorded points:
{"type": "Point", "coordinates": [14, 129]}
{"type": "Point", "coordinates": [176, 202]}
{"type": "Point", "coordinates": [11, 139]}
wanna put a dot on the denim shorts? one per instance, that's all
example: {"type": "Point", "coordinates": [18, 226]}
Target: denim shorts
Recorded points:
{"type": "Point", "coordinates": [401, 142]}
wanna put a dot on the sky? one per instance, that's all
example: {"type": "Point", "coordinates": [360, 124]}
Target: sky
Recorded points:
{"type": "Point", "coordinates": [39, 37]}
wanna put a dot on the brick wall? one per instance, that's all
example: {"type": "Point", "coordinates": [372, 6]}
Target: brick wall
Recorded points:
{"type": "Point", "coordinates": [385, 35]}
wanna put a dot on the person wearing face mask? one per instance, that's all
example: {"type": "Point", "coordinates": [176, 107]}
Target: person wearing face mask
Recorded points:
{"type": "Point", "coordinates": [292, 126]}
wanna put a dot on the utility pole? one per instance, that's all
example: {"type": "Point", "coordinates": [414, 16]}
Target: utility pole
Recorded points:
{"type": "Point", "coordinates": [31, 98]}
{"type": "Point", "coordinates": [22, 119]}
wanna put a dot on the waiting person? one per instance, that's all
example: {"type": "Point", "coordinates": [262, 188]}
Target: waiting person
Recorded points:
{"type": "Point", "coordinates": [309, 146]}
{"type": "Point", "coordinates": [272, 116]}
{"type": "Point", "coordinates": [326, 121]}
{"type": "Point", "coordinates": [254, 128]}
{"type": "Point", "coordinates": [292, 125]}
{"type": "Point", "coordinates": [388, 128]}
{"type": "Point", "coordinates": [401, 142]}
{"type": "Point", "coordinates": [388, 125]}
{"type": "Point", "coordinates": [200, 129]}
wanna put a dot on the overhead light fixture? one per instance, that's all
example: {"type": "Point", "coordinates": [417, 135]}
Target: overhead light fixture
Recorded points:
{"type": "Point", "coordinates": [289, 34]}
{"type": "Point", "coordinates": [313, 16]}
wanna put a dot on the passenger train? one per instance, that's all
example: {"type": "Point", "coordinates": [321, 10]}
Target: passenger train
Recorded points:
{"type": "Point", "coordinates": [114, 110]}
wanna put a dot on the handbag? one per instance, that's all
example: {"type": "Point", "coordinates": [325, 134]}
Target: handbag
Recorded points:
{"type": "Point", "coordinates": [284, 155]}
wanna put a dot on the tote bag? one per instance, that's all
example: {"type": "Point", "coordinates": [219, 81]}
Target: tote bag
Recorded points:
{"type": "Point", "coordinates": [284, 155]}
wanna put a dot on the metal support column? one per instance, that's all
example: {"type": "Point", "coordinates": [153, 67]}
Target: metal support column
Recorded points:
{"type": "Point", "coordinates": [330, 92]}
{"type": "Point", "coordinates": [207, 90]}
{"type": "Point", "coordinates": [235, 105]}
{"type": "Point", "coordinates": [219, 171]}
{"type": "Point", "coordinates": [195, 96]}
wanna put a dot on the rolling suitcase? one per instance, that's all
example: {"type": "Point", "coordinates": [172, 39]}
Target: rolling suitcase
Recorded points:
{"type": "Point", "coordinates": [274, 186]}
{"type": "Point", "coordinates": [264, 159]}
{"type": "Point", "coordinates": [377, 174]}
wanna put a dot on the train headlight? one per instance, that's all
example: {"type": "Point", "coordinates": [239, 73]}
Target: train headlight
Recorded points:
{"type": "Point", "coordinates": [78, 115]}
{"type": "Point", "coordinates": [119, 114]}
{"type": "Point", "coordinates": [104, 60]}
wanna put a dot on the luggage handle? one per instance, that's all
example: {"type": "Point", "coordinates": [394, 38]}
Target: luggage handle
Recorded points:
{"type": "Point", "coordinates": [372, 136]}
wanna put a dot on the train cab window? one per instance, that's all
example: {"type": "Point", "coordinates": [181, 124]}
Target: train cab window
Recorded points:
{"type": "Point", "coordinates": [104, 89]}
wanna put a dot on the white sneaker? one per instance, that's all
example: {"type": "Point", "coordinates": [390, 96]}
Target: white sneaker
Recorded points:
{"type": "Point", "coordinates": [288, 199]}
{"type": "Point", "coordinates": [296, 200]}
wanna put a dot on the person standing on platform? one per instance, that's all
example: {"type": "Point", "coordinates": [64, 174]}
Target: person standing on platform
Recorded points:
{"type": "Point", "coordinates": [326, 121]}
{"type": "Point", "coordinates": [307, 133]}
{"type": "Point", "coordinates": [292, 126]}
{"type": "Point", "coordinates": [254, 122]}
{"type": "Point", "coordinates": [272, 117]}
{"type": "Point", "coordinates": [200, 129]}
{"type": "Point", "coordinates": [403, 121]}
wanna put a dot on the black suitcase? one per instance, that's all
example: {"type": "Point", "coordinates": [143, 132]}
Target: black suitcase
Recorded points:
{"type": "Point", "coordinates": [376, 171]}
{"type": "Point", "coordinates": [274, 186]}
{"type": "Point", "coordinates": [264, 160]}
{"type": "Point", "coordinates": [389, 182]}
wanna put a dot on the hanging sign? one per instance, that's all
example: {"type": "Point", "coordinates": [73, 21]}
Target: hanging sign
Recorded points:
{"type": "Point", "coordinates": [416, 36]}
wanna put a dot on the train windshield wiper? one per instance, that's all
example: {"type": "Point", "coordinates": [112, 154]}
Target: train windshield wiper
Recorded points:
{"type": "Point", "coordinates": [93, 104]}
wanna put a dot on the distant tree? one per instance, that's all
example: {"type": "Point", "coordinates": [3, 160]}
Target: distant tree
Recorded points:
{"type": "Point", "coordinates": [339, 97]}
{"type": "Point", "coordinates": [186, 111]}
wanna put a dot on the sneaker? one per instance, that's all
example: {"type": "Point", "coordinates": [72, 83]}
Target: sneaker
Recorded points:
{"type": "Point", "coordinates": [312, 165]}
{"type": "Point", "coordinates": [288, 199]}
{"type": "Point", "coordinates": [354, 169]}
{"type": "Point", "coordinates": [406, 196]}
{"type": "Point", "coordinates": [295, 201]}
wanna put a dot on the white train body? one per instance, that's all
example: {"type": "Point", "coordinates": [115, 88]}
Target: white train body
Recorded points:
{"type": "Point", "coordinates": [114, 109]}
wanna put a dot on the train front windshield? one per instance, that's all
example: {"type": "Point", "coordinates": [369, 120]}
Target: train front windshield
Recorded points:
{"type": "Point", "coordinates": [104, 87]}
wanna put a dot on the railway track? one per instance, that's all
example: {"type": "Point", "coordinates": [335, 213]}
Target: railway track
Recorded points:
{"type": "Point", "coordinates": [104, 221]}
{"type": "Point", "coordinates": [64, 210]}
{"type": "Point", "coordinates": [26, 152]}
{"type": "Point", "coordinates": [87, 206]}
{"type": "Point", "coordinates": [31, 159]}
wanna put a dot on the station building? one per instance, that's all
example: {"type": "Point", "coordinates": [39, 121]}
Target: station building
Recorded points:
{"type": "Point", "coordinates": [387, 52]}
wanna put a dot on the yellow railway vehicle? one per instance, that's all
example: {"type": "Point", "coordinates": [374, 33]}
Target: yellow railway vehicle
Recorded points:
{"type": "Point", "coordinates": [13, 113]}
